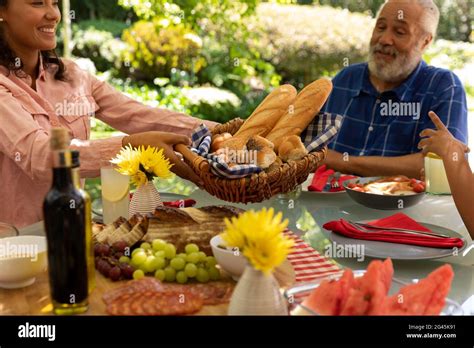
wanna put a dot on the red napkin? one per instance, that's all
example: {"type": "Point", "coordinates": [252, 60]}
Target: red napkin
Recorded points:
{"type": "Point", "coordinates": [182, 203]}
{"type": "Point", "coordinates": [398, 220]}
{"type": "Point", "coordinates": [320, 179]}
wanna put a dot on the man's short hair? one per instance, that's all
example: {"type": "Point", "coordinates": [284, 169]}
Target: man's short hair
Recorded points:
{"type": "Point", "coordinates": [430, 17]}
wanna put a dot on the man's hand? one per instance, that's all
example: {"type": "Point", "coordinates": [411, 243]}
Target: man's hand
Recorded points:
{"type": "Point", "coordinates": [335, 160]}
{"type": "Point", "coordinates": [440, 141]}
{"type": "Point", "coordinates": [166, 141]}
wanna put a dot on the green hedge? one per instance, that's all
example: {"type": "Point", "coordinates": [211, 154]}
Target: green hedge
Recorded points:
{"type": "Point", "coordinates": [307, 42]}
{"type": "Point", "coordinates": [153, 51]}
{"type": "Point", "coordinates": [112, 26]}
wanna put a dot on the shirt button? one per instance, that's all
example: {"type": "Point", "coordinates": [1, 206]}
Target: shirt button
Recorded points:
{"type": "Point", "coordinates": [361, 153]}
{"type": "Point", "coordinates": [378, 101]}
{"type": "Point", "coordinates": [371, 129]}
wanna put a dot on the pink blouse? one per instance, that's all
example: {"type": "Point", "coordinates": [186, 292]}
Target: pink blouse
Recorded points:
{"type": "Point", "coordinates": [26, 117]}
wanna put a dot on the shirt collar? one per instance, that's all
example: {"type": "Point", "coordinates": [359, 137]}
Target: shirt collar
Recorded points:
{"type": "Point", "coordinates": [404, 92]}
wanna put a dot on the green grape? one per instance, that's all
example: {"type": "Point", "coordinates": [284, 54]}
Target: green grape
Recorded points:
{"type": "Point", "coordinates": [177, 263]}
{"type": "Point", "coordinates": [191, 270]}
{"type": "Point", "coordinates": [191, 248]}
{"type": "Point", "coordinates": [170, 251]}
{"type": "Point", "coordinates": [145, 246]}
{"type": "Point", "coordinates": [181, 277]}
{"type": "Point", "coordinates": [133, 263]}
{"type": "Point", "coordinates": [143, 268]}
{"type": "Point", "coordinates": [138, 274]}
{"type": "Point", "coordinates": [151, 264]}
{"type": "Point", "coordinates": [202, 275]}
{"type": "Point", "coordinates": [202, 256]}
{"type": "Point", "coordinates": [136, 251]}
{"type": "Point", "coordinates": [160, 262]}
{"type": "Point", "coordinates": [170, 274]}
{"type": "Point", "coordinates": [139, 257]}
{"type": "Point", "coordinates": [214, 273]}
{"type": "Point", "coordinates": [192, 258]}
{"type": "Point", "coordinates": [160, 253]}
{"type": "Point", "coordinates": [160, 274]}
{"type": "Point", "coordinates": [158, 245]}
{"type": "Point", "coordinates": [211, 261]}
{"type": "Point", "coordinates": [182, 255]}
{"type": "Point", "coordinates": [124, 259]}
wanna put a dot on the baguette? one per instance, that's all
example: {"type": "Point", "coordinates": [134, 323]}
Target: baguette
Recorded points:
{"type": "Point", "coordinates": [292, 149]}
{"type": "Point", "coordinates": [264, 117]}
{"type": "Point", "coordinates": [307, 105]}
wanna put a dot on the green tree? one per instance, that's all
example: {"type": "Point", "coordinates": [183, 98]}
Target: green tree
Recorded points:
{"type": "Point", "coordinates": [220, 24]}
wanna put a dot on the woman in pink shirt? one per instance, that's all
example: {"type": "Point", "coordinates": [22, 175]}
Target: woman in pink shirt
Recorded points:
{"type": "Point", "coordinates": [39, 91]}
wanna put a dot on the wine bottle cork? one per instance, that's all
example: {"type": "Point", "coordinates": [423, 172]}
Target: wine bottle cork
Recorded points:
{"type": "Point", "coordinates": [59, 139]}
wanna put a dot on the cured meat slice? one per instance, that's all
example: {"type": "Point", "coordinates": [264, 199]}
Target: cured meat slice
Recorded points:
{"type": "Point", "coordinates": [155, 303]}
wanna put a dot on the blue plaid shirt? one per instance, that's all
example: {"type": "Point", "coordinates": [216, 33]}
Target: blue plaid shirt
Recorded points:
{"type": "Point", "coordinates": [372, 125]}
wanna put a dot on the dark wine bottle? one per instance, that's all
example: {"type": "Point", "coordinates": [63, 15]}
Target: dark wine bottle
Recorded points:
{"type": "Point", "coordinates": [64, 210]}
{"type": "Point", "coordinates": [76, 178]}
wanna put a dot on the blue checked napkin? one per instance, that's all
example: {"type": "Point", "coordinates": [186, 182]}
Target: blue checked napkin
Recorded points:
{"type": "Point", "coordinates": [318, 134]}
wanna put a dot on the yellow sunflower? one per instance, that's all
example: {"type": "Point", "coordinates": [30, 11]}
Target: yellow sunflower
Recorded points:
{"type": "Point", "coordinates": [154, 162]}
{"type": "Point", "coordinates": [260, 238]}
{"type": "Point", "coordinates": [127, 161]}
{"type": "Point", "coordinates": [139, 178]}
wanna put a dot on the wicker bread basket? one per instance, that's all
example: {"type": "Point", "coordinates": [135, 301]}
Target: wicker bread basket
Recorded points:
{"type": "Point", "coordinates": [257, 187]}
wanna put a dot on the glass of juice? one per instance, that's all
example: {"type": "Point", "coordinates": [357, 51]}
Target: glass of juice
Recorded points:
{"type": "Point", "coordinates": [115, 193]}
{"type": "Point", "coordinates": [435, 175]}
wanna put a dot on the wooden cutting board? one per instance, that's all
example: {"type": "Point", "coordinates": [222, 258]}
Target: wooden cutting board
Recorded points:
{"type": "Point", "coordinates": [35, 300]}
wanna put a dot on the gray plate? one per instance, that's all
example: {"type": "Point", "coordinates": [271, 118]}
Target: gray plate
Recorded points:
{"type": "Point", "coordinates": [165, 197]}
{"type": "Point", "coordinates": [382, 202]}
{"type": "Point", "coordinates": [382, 250]}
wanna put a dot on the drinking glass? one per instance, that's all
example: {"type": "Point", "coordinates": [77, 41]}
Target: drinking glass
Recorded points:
{"type": "Point", "coordinates": [115, 193]}
{"type": "Point", "coordinates": [435, 175]}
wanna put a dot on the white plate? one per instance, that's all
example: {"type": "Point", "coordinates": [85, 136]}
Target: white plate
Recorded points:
{"type": "Point", "coordinates": [300, 291]}
{"type": "Point", "coordinates": [383, 250]}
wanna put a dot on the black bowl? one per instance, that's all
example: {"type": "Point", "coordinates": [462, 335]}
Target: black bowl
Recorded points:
{"type": "Point", "coordinates": [381, 202]}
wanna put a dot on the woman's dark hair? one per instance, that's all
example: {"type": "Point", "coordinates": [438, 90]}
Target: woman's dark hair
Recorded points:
{"type": "Point", "coordinates": [9, 60]}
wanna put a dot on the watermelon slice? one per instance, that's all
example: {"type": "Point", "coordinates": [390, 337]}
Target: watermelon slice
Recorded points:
{"type": "Point", "coordinates": [367, 295]}
{"type": "Point", "coordinates": [387, 274]}
{"type": "Point", "coordinates": [369, 292]}
{"type": "Point", "coordinates": [357, 303]}
{"type": "Point", "coordinates": [327, 297]}
{"type": "Point", "coordinates": [443, 277]}
{"type": "Point", "coordinates": [427, 297]}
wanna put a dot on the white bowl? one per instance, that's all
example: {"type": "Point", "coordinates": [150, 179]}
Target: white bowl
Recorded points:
{"type": "Point", "coordinates": [230, 261]}
{"type": "Point", "coordinates": [22, 258]}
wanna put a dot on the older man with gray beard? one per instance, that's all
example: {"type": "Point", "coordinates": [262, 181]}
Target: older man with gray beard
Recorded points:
{"type": "Point", "coordinates": [385, 102]}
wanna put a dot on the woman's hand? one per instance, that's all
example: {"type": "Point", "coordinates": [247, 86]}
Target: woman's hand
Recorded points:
{"type": "Point", "coordinates": [166, 141]}
{"type": "Point", "coordinates": [440, 141]}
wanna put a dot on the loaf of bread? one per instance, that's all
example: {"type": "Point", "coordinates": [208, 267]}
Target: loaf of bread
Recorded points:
{"type": "Point", "coordinates": [292, 148]}
{"type": "Point", "coordinates": [264, 118]}
{"type": "Point", "coordinates": [306, 106]}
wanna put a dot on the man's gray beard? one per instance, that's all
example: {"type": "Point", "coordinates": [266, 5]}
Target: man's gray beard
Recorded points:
{"type": "Point", "coordinates": [399, 69]}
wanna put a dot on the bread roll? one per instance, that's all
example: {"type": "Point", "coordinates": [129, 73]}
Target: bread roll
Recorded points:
{"type": "Point", "coordinates": [265, 157]}
{"type": "Point", "coordinates": [292, 148]}
{"type": "Point", "coordinates": [257, 142]}
{"type": "Point", "coordinates": [218, 140]}
{"type": "Point", "coordinates": [265, 116]}
{"type": "Point", "coordinates": [307, 105]}
{"type": "Point", "coordinates": [275, 165]}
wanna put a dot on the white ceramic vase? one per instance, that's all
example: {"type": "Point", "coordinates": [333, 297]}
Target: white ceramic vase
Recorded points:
{"type": "Point", "coordinates": [145, 199]}
{"type": "Point", "coordinates": [257, 294]}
